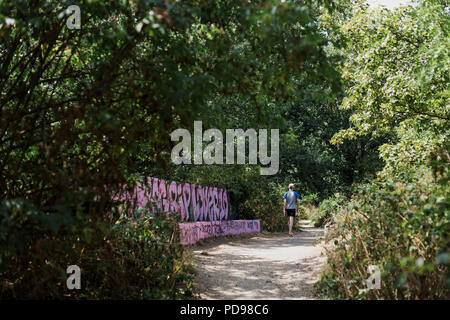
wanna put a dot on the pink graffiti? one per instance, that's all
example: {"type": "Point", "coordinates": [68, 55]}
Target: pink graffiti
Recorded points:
{"type": "Point", "coordinates": [191, 232]}
{"type": "Point", "coordinates": [193, 202]}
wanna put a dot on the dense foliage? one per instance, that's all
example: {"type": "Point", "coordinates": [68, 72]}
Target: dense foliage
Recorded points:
{"type": "Point", "coordinates": [360, 97]}
{"type": "Point", "coordinates": [397, 77]}
{"type": "Point", "coordinates": [89, 107]}
{"type": "Point", "coordinates": [401, 227]}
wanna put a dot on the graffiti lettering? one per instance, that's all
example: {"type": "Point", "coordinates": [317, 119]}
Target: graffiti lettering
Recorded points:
{"type": "Point", "coordinates": [193, 202]}
{"type": "Point", "coordinates": [191, 232]}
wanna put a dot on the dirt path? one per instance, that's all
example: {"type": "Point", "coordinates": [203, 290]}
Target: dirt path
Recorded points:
{"type": "Point", "coordinates": [261, 266]}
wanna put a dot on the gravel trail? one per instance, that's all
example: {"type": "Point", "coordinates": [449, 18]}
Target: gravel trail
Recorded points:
{"type": "Point", "coordinates": [260, 266]}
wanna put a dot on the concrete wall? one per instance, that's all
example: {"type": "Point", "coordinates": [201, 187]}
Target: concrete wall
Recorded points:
{"type": "Point", "coordinates": [191, 232]}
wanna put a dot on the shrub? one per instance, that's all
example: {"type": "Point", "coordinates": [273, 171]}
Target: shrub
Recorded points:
{"type": "Point", "coordinates": [141, 260]}
{"type": "Point", "coordinates": [323, 213]}
{"type": "Point", "coordinates": [132, 259]}
{"type": "Point", "coordinates": [266, 206]}
{"type": "Point", "coordinates": [404, 229]}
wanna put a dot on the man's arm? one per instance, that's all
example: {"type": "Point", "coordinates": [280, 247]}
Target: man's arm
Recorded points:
{"type": "Point", "coordinates": [298, 205]}
{"type": "Point", "coordinates": [284, 207]}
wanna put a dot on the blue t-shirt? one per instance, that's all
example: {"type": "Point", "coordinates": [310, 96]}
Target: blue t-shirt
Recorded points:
{"type": "Point", "coordinates": [291, 199]}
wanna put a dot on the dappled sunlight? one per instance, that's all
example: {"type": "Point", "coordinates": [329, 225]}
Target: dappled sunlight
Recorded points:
{"type": "Point", "coordinates": [264, 266]}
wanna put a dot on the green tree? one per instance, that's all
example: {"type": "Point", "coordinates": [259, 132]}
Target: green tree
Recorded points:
{"type": "Point", "coordinates": [398, 70]}
{"type": "Point", "coordinates": [397, 81]}
{"type": "Point", "coordinates": [81, 109]}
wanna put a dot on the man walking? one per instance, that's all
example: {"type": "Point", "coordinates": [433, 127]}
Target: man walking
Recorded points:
{"type": "Point", "coordinates": [291, 204]}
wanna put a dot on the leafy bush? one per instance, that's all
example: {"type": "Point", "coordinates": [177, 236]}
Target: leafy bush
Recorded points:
{"type": "Point", "coordinates": [138, 259]}
{"type": "Point", "coordinates": [404, 229]}
{"type": "Point", "coordinates": [265, 203]}
{"type": "Point", "coordinates": [256, 197]}
{"type": "Point", "coordinates": [141, 260]}
{"type": "Point", "coordinates": [268, 209]}
{"type": "Point", "coordinates": [323, 213]}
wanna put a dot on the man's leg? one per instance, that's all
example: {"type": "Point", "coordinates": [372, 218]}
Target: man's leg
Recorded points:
{"type": "Point", "coordinates": [291, 223]}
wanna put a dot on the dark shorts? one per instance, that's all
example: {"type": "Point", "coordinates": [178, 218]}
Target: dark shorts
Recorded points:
{"type": "Point", "coordinates": [290, 212]}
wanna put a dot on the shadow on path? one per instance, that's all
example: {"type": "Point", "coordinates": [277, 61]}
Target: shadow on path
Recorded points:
{"type": "Point", "coordinates": [261, 266]}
